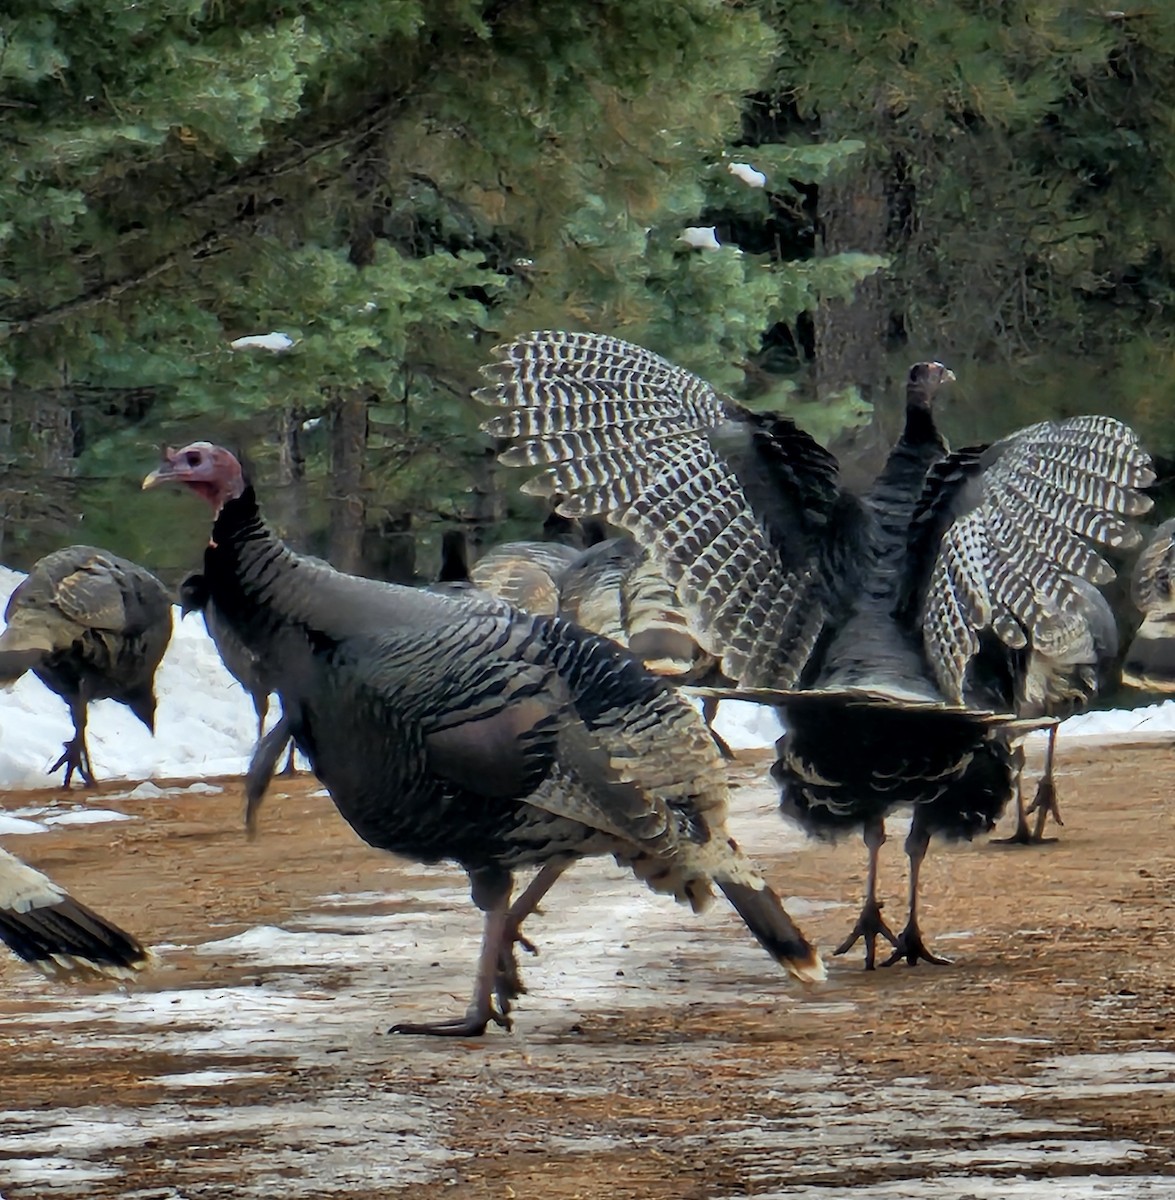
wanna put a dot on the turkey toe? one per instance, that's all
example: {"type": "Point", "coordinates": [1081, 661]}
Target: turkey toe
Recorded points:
{"type": "Point", "coordinates": [869, 927]}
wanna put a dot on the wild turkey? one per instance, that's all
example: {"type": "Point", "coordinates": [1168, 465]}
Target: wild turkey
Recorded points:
{"type": "Point", "coordinates": [524, 574]}
{"type": "Point", "coordinates": [616, 589]}
{"type": "Point", "coordinates": [90, 626]}
{"type": "Point", "coordinates": [896, 628]}
{"type": "Point", "coordinates": [244, 666]}
{"type": "Point", "coordinates": [1150, 660]}
{"type": "Point", "coordinates": [497, 740]}
{"type": "Point", "coordinates": [50, 930]}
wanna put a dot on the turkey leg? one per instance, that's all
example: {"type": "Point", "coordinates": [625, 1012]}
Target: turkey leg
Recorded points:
{"type": "Point", "coordinates": [870, 924]}
{"type": "Point", "coordinates": [76, 755]}
{"type": "Point", "coordinates": [490, 889]}
{"type": "Point", "coordinates": [909, 944]}
{"type": "Point", "coordinates": [1045, 802]}
{"type": "Point", "coordinates": [508, 984]}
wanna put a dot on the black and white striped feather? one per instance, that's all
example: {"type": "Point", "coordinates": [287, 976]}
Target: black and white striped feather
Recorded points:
{"type": "Point", "coordinates": [621, 431]}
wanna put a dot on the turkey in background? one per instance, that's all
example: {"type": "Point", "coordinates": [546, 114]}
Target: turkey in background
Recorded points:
{"type": "Point", "coordinates": [1150, 661]}
{"type": "Point", "coordinates": [616, 589]}
{"type": "Point", "coordinates": [445, 730]}
{"type": "Point", "coordinates": [246, 668]}
{"type": "Point", "coordinates": [906, 632]}
{"type": "Point", "coordinates": [90, 626]}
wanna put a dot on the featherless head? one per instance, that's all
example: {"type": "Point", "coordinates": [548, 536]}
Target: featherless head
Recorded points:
{"type": "Point", "coordinates": [210, 471]}
{"type": "Point", "coordinates": [923, 382]}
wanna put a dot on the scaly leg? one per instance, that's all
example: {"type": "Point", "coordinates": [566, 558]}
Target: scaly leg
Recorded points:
{"type": "Point", "coordinates": [508, 984]}
{"type": "Point", "coordinates": [909, 944]}
{"type": "Point", "coordinates": [1045, 803]}
{"type": "Point", "coordinates": [870, 924]}
{"type": "Point", "coordinates": [491, 893]}
{"type": "Point", "coordinates": [76, 755]}
{"type": "Point", "coordinates": [709, 714]}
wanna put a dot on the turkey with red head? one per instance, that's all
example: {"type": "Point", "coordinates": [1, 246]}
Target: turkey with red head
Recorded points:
{"type": "Point", "coordinates": [493, 738]}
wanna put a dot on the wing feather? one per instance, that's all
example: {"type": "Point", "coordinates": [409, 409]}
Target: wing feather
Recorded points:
{"type": "Point", "coordinates": [1020, 557]}
{"type": "Point", "coordinates": [731, 506]}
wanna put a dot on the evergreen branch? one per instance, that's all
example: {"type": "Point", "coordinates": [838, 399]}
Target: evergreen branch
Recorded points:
{"type": "Point", "coordinates": [375, 118]}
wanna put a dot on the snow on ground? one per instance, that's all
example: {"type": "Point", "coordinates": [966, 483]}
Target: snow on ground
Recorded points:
{"type": "Point", "coordinates": [206, 725]}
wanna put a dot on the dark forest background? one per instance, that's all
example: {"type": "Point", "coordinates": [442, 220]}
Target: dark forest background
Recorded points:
{"type": "Point", "coordinates": [397, 186]}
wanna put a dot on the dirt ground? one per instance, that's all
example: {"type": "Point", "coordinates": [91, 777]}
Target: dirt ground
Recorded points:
{"type": "Point", "coordinates": [657, 1054]}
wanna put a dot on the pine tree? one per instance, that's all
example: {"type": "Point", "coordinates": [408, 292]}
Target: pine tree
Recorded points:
{"type": "Point", "coordinates": [391, 187]}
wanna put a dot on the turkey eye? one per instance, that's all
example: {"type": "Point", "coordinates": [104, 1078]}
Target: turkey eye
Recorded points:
{"type": "Point", "coordinates": [193, 458]}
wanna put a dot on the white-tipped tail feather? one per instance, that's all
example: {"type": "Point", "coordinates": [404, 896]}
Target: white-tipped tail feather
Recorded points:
{"type": "Point", "coordinates": [45, 926]}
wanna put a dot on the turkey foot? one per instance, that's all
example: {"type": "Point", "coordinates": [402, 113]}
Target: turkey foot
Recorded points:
{"type": "Point", "coordinates": [473, 1024]}
{"type": "Point", "coordinates": [869, 927]}
{"type": "Point", "coordinates": [910, 946]}
{"type": "Point", "coordinates": [76, 757]}
{"type": "Point", "coordinates": [508, 983]}
{"type": "Point", "coordinates": [1023, 835]}
{"type": "Point", "coordinates": [1045, 806]}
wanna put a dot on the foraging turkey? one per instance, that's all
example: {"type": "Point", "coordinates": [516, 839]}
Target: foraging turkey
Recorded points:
{"type": "Point", "coordinates": [616, 589]}
{"type": "Point", "coordinates": [245, 667]}
{"type": "Point", "coordinates": [90, 626]}
{"type": "Point", "coordinates": [45, 926]}
{"type": "Point", "coordinates": [901, 629]}
{"type": "Point", "coordinates": [494, 739]}
{"type": "Point", "coordinates": [1150, 660]}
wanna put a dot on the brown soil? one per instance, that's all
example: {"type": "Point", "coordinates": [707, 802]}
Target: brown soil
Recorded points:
{"type": "Point", "coordinates": [694, 1069]}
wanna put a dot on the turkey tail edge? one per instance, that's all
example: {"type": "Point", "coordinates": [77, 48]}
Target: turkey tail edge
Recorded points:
{"type": "Point", "coordinates": [765, 916]}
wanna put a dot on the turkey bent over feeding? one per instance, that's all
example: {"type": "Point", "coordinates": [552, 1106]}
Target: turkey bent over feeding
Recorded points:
{"type": "Point", "coordinates": [444, 729]}
{"type": "Point", "coordinates": [899, 629]}
{"type": "Point", "coordinates": [90, 626]}
{"type": "Point", "coordinates": [45, 926]}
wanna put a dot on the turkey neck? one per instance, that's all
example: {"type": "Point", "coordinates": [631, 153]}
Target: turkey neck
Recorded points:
{"type": "Point", "coordinates": [871, 649]}
{"type": "Point", "coordinates": [895, 496]}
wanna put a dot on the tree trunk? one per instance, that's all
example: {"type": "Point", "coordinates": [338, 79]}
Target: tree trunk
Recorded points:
{"type": "Point", "coordinates": [851, 335]}
{"type": "Point", "coordinates": [347, 499]}
{"type": "Point", "coordinates": [290, 503]}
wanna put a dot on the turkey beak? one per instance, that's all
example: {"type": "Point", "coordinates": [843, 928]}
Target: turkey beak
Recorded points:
{"type": "Point", "coordinates": [164, 473]}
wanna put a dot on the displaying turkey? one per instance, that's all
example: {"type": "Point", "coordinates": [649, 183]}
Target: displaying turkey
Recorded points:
{"type": "Point", "coordinates": [901, 630]}
{"type": "Point", "coordinates": [90, 626]}
{"type": "Point", "coordinates": [45, 926]}
{"type": "Point", "coordinates": [616, 589]}
{"type": "Point", "coordinates": [245, 667]}
{"type": "Point", "coordinates": [1150, 660]}
{"type": "Point", "coordinates": [494, 739]}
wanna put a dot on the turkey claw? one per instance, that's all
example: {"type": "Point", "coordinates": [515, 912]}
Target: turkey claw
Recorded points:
{"type": "Point", "coordinates": [473, 1024]}
{"type": "Point", "coordinates": [869, 927]}
{"type": "Point", "coordinates": [912, 948]}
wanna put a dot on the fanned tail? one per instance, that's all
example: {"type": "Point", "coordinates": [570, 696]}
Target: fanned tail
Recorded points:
{"type": "Point", "coordinates": [774, 930]}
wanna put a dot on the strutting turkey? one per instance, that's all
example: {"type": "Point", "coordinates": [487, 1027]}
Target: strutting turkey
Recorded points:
{"type": "Point", "coordinates": [1150, 661]}
{"type": "Point", "coordinates": [246, 668]}
{"type": "Point", "coordinates": [617, 589]}
{"type": "Point", "coordinates": [45, 926]}
{"type": "Point", "coordinates": [90, 626]}
{"type": "Point", "coordinates": [495, 739]}
{"type": "Point", "coordinates": [897, 629]}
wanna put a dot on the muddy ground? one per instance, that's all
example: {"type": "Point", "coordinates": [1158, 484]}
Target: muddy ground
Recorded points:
{"type": "Point", "coordinates": [657, 1054]}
